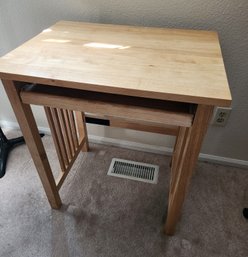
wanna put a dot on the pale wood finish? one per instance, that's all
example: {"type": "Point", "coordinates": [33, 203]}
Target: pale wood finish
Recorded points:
{"type": "Point", "coordinates": [62, 176]}
{"type": "Point", "coordinates": [187, 149]}
{"type": "Point", "coordinates": [61, 156]}
{"type": "Point", "coordinates": [162, 64]}
{"type": "Point", "coordinates": [177, 155]}
{"type": "Point", "coordinates": [59, 139]}
{"type": "Point", "coordinates": [82, 130]}
{"type": "Point", "coordinates": [171, 64]}
{"type": "Point", "coordinates": [103, 105]}
{"type": "Point", "coordinates": [145, 126]}
{"type": "Point", "coordinates": [30, 132]}
{"type": "Point", "coordinates": [59, 119]}
{"type": "Point", "coordinates": [65, 133]}
{"type": "Point", "coordinates": [73, 128]}
{"type": "Point", "coordinates": [69, 131]}
{"type": "Point", "coordinates": [166, 130]}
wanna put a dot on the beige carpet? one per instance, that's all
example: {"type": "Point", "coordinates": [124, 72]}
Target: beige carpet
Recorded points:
{"type": "Point", "coordinates": [104, 216]}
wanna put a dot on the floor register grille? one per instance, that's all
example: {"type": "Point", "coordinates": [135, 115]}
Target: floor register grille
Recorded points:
{"type": "Point", "coordinates": [139, 171]}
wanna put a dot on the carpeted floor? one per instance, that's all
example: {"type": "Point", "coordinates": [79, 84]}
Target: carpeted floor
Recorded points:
{"type": "Point", "coordinates": [104, 216]}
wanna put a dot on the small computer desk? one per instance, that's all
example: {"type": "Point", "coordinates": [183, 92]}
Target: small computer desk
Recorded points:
{"type": "Point", "coordinates": [150, 79]}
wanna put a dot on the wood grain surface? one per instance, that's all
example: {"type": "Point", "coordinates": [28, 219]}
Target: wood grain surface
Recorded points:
{"type": "Point", "coordinates": [170, 64]}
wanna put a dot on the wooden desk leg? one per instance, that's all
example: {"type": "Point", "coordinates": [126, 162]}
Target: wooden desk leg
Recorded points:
{"type": "Point", "coordinates": [187, 148]}
{"type": "Point", "coordinates": [30, 132]}
{"type": "Point", "coordinates": [82, 130]}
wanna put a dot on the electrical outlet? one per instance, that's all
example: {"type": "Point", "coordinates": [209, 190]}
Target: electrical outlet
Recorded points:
{"type": "Point", "coordinates": [221, 116]}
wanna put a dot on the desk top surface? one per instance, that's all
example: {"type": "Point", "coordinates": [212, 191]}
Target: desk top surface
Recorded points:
{"type": "Point", "coordinates": [171, 64]}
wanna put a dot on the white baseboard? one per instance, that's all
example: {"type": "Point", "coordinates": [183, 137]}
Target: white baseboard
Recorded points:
{"type": "Point", "coordinates": [130, 145]}
{"type": "Point", "coordinates": [15, 125]}
{"type": "Point", "coordinates": [165, 150]}
{"type": "Point", "coordinates": [142, 147]}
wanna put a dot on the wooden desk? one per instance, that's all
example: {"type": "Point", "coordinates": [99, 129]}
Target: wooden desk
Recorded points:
{"type": "Point", "coordinates": [163, 65]}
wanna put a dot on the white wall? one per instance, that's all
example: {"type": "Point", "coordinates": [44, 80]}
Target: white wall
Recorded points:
{"type": "Point", "coordinates": [21, 20]}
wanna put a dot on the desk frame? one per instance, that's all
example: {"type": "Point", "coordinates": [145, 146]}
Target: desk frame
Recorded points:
{"type": "Point", "coordinates": [171, 65]}
{"type": "Point", "coordinates": [185, 155]}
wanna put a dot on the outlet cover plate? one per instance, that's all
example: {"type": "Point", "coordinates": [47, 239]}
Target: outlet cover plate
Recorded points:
{"type": "Point", "coordinates": [221, 116]}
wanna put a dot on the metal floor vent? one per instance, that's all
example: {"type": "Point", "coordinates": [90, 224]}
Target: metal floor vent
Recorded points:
{"type": "Point", "coordinates": [134, 170]}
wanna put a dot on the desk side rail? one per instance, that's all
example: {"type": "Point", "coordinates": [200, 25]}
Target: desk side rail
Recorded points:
{"type": "Point", "coordinates": [66, 137]}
